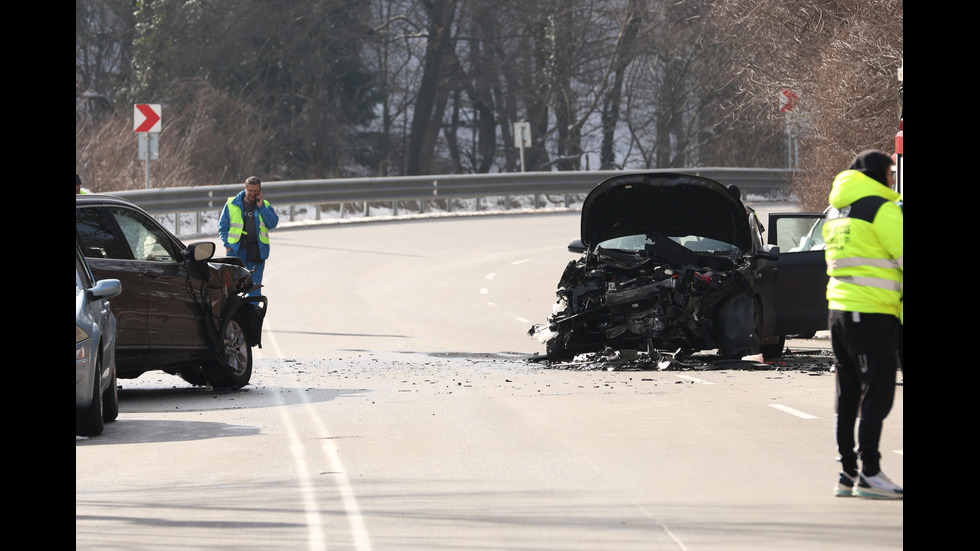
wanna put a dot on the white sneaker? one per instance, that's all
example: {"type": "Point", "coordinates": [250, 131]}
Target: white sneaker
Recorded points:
{"type": "Point", "coordinates": [845, 485]}
{"type": "Point", "coordinates": [877, 487]}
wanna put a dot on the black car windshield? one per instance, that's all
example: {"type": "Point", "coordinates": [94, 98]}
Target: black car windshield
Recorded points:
{"type": "Point", "coordinates": [637, 244]}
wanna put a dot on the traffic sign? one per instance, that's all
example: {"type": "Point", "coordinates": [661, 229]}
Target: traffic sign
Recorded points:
{"type": "Point", "coordinates": [146, 117]}
{"type": "Point", "coordinates": [522, 134]}
{"type": "Point", "coordinates": [787, 100]}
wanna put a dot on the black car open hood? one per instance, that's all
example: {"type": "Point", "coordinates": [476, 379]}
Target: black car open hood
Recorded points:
{"type": "Point", "coordinates": [674, 204]}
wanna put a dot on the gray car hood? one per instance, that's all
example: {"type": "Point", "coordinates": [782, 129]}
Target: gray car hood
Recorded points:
{"type": "Point", "coordinates": [674, 204]}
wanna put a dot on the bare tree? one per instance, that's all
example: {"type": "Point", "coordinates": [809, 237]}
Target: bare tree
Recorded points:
{"type": "Point", "coordinates": [321, 88]}
{"type": "Point", "coordinates": [104, 31]}
{"type": "Point", "coordinates": [840, 58]}
{"type": "Point", "coordinates": [622, 56]}
{"type": "Point", "coordinates": [432, 93]}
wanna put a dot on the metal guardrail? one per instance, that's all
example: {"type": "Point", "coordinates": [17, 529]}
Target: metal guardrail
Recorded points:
{"type": "Point", "coordinates": [421, 189]}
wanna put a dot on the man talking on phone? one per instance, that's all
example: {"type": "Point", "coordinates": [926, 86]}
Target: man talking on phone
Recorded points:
{"type": "Point", "coordinates": [244, 228]}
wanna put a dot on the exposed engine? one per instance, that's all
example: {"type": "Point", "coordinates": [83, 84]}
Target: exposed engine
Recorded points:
{"type": "Point", "coordinates": [664, 296]}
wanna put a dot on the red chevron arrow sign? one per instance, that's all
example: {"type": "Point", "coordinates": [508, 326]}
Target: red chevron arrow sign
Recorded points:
{"type": "Point", "coordinates": [146, 117]}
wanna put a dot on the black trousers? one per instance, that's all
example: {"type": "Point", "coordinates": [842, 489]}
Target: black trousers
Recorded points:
{"type": "Point", "coordinates": [866, 347]}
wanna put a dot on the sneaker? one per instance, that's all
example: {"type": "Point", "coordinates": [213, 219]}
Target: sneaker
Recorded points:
{"type": "Point", "coordinates": [877, 487]}
{"type": "Point", "coordinates": [845, 485]}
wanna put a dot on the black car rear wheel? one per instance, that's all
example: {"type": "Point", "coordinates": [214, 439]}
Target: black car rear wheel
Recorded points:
{"type": "Point", "coordinates": [232, 366]}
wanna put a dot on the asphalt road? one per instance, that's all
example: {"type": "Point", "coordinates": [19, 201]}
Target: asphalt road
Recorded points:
{"type": "Point", "coordinates": [392, 407]}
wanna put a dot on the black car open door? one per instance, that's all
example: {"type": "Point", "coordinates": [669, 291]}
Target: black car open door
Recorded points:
{"type": "Point", "coordinates": [800, 273]}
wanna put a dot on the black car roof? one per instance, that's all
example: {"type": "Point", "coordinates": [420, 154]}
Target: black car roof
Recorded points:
{"type": "Point", "coordinates": [671, 203]}
{"type": "Point", "coordinates": [101, 199]}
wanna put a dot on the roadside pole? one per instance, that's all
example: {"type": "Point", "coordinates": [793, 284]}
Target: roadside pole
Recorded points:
{"type": "Point", "coordinates": [147, 124]}
{"type": "Point", "coordinates": [787, 101]}
{"type": "Point", "coordinates": [522, 138]}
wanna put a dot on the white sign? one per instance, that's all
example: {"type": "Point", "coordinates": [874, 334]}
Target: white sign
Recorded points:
{"type": "Point", "coordinates": [522, 134]}
{"type": "Point", "coordinates": [148, 146]}
{"type": "Point", "coordinates": [147, 117]}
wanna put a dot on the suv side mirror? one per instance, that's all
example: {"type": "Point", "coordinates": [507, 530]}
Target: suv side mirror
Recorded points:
{"type": "Point", "coordinates": [200, 251]}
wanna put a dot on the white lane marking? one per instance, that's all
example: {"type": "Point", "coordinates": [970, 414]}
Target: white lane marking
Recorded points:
{"type": "Point", "coordinates": [694, 380]}
{"type": "Point", "coordinates": [354, 517]}
{"type": "Point", "coordinates": [314, 529]}
{"type": "Point", "coordinates": [484, 291]}
{"type": "Point", "coordinates": [522, 320]}
{"type": "Point", "coordinates": [791, 411]}
{"type": "Point", "coordinates": [315, 535]}
{"type": "Point", "coordinates": [899, 452]}
{"type": "Point", "coordinates": [643, 509]}
{"type": "Point", "coordinates": [491, 275]}
{"type": "Point", "coordinates": [268, 335]}
{"type": "Point", "coordinates": [522, 261]}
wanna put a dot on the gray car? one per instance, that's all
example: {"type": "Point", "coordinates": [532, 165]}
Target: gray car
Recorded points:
{"type": "Point", "coordinates": [96, 392]}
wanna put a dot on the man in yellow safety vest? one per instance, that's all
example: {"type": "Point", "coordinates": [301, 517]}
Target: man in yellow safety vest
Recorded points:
{"type": "Point", "coordinates": [244, 228]}
{"type": "Point", "coordinates": [864, 253]}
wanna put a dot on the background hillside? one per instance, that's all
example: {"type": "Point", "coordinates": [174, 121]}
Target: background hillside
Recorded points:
{"type": "Point", "coordinates": [299, 89]}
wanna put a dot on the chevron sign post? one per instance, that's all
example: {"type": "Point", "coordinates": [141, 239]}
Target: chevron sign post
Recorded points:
{"type": "Point", "coordinates": [147, 122]}
{"type": "Point", "coordinates": [146, 117]}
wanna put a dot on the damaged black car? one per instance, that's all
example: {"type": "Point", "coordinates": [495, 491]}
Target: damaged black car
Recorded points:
{"type": "Point", "coordinates": [182, 311]}
{"type": "Point", "coordinates": [677, 263]}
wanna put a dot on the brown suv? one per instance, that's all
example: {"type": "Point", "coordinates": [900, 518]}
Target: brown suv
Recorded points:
{"type": "Point", "coordinates": [181, 310]}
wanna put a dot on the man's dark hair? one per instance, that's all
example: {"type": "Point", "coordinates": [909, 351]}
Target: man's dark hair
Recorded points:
{"type": "Point", "coordinates": [873, 164]}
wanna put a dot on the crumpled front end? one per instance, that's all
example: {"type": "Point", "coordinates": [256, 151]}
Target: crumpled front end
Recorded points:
{"type": "Point", "coordinates": [642, 302]}
{"type": "Point", "coordinates": [227, 298]}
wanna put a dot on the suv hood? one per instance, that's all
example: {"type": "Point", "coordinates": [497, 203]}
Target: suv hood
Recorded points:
{"type": "Point", "coordinates": [674, 204]}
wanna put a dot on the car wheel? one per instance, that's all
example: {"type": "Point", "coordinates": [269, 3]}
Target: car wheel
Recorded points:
{"type": "Point", "coordinates": [770, 351]}
{"type": "Point", "coordinates": [193, 375]}
{"type": "Point", "coordinates": [740, 320]}
{"type": "Point", "coordinates": [774, 351]}
{"type": "Point", "coordinates": [555, 349]}
{"type": "Point", "coordinates": [232, 366]}
{"type": "Point", "coordinates": [88, 421]}
{"type": "Point", "coordinates": [110, 401]}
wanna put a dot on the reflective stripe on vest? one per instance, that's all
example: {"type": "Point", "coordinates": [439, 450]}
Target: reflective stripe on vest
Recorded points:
{"type": "Point", "coordinates": [834, 264]}
{"type": "Point", "coordinates": [862, 277]}
{"type": "Point", "coordinates": [236, 224]}
{"type": "Point", "coordinates": [877, 282]}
